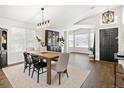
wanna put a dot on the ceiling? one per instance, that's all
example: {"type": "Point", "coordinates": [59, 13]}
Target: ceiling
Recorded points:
{"type": "Point", "coordinates": [59, 16]}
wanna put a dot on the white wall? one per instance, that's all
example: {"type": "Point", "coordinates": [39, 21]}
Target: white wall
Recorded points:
{"type": "Point", "coordinates": [122, 36]}
{"type": "Point", "coordinates": [13, 57]}
{"type": "Point", "coordinates": [96, 21]}
{"type": "Point", "coordinates": [122, 29]}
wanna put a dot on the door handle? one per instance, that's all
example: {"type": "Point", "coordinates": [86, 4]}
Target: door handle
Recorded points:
{"type": "Point", "coordinates": [116, 37]}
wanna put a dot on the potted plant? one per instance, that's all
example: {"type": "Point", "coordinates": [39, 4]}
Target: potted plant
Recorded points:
{"type": "Point", "coordinates": [61, 42]}
{"type": "Point", "coordinates": [43, 48]}
{"type": "Point", "coordinates": [40, 41]}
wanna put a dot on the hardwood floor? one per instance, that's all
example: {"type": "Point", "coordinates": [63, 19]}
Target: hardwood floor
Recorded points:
{"type": "Point", "coordinates": [4, 82]}
{"type": "Point", "coordinates": [101, 75]}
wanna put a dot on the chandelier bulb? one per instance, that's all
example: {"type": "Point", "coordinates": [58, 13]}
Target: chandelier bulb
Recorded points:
{"type": "Point", "coordinates": [42, 9]}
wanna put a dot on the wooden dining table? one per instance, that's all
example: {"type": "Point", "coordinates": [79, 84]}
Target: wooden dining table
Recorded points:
{"type": "Point", "coordinates": [49, 56]}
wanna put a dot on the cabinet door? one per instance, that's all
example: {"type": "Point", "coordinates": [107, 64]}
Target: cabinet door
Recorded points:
{"type": "Point", "coordinates": [49, 37]}
{"type": "Point", "coordinates": [54, 38]}
{"type": "Point", "coordinates": [4, 58]}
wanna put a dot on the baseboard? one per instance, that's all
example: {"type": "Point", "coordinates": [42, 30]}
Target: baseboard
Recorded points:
{"type": "Point", "coordinates": [15, 64]}
{"type": "Point", "coordinates": [80, 53]}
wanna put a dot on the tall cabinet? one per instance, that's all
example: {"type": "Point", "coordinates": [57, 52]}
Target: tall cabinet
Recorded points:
{"type": "Point", "coordinates": [51, 38]}
{"type": "Point", "coordinates": [3, 47]}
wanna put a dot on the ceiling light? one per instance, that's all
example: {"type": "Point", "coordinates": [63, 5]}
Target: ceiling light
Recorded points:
{"type": "Point", "coordinates": [44, 23]}
{"type": "Point", "coordinates": [108, 17]}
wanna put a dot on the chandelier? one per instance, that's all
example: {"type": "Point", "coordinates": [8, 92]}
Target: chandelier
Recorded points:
{"type": "Point", "coordinates": [44, 23]}
{"type": "Point", "coordinates": [108, 17]}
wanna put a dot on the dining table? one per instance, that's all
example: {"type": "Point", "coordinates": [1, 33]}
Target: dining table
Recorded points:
{"type": "Point", "coordinates": [48, 56]}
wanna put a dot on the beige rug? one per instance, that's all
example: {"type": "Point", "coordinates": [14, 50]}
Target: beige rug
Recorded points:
{"type": "Point", "coordinates": [19, 79]}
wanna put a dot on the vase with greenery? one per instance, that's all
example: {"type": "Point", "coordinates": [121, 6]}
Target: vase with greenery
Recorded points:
{"type": "Point", "coordinates": [40, 41]}
{"type": "Point", "coordinates": [61, 41]}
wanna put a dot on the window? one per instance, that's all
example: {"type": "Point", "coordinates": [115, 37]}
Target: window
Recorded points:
{"type": "Point", "coordinates": [81, 40]}
{"type": "Point", "coordinates": [70, 41]}
{"type": "Point", "coordinates": [30, 39]}
{"type": "Point", "coordinates": [19, 40]}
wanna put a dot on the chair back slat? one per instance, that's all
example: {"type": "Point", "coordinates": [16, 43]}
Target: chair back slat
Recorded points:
{"type": "Point", "coordinates": [35, 58]}
{"type": "Point", "coordinates": [26, 57]}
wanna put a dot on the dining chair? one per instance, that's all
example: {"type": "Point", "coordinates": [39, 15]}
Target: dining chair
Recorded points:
{"type": "Point", "coordinates": [38, 64]}
{"type": "Point", "coordinates": [27, 63]}
{"type": "Point", "coordinates": [61, 65]}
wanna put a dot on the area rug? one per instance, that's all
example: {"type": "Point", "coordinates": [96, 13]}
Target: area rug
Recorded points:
{"type": "Point", "coordinates": [19, 79]}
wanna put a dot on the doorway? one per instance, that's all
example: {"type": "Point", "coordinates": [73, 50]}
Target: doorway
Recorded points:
{"type": "Point", "coordinates": [108, 44]}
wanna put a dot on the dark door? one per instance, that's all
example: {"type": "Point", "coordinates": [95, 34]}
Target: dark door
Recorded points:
{"type": "Point", "coordinates": [108, 43]}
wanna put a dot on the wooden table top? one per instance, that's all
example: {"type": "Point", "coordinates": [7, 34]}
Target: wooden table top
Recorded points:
{"type": "Point", "coordinates": [48, 54]}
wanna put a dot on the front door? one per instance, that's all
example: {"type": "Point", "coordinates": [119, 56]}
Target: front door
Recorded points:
{"type": "Point", "coordinates": [108, 43]}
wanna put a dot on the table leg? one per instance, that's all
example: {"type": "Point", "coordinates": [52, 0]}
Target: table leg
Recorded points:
{"type": "Point", "coordinates": [49, 71]}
